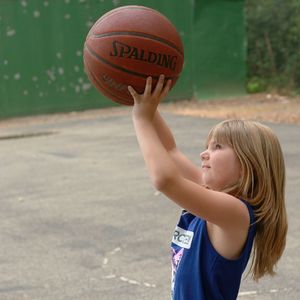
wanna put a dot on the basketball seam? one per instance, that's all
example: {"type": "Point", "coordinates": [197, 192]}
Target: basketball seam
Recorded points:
{"type": "Point", "coordinates": [140, 7]}
{"type": "Point", "coordinates": [97, 56]}
{"type": "Point", "coordinates": [139, 34]}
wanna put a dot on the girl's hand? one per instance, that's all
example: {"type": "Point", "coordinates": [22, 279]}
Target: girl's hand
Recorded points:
{"type": "Point", "coordinates": [145, 104]}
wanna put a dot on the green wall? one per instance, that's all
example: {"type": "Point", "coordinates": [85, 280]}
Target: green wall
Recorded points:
{"type": "Point", "coordinates": [41, 43]}
{"type": "Point", "coordinates": [219, 48]}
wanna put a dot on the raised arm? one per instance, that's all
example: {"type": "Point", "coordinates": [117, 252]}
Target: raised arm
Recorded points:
{"type": "Point", "coordinates": [184, 165]}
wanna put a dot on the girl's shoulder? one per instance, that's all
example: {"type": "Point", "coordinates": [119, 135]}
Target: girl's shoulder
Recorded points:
{"type": "Point", "coordinates": [251, 211]}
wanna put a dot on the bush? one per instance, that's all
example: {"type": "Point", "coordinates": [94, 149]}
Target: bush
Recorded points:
{"type": "Point", "coordinates": [256, 85]}
{"type": "Point", "coordinates": [273, 43]}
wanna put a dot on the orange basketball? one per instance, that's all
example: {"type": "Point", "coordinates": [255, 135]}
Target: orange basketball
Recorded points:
{"type": "Point", "coordinates": [128, 44]}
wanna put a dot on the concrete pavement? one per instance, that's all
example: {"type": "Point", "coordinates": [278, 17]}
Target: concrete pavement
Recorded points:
{"type": "Point", "coordinates": [79, 219]}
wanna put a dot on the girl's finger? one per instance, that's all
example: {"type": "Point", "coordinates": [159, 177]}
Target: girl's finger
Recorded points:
{"type": "Point", "coordinates": [166, 89]}
{"type": "Point", "coordinates": [132, 91]}
{"type": "Point", "coordinates": [159, 85]}
{"type": "Point", "coordinates": [148, 86]}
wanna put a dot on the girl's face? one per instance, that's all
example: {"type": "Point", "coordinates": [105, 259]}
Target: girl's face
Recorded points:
{"type": "Point", "coordinates": [220, 166]}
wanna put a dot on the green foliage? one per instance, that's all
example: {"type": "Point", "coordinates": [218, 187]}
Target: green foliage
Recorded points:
{"type": "Point", "coordinates": [273, 33]}
{"type": "Point", "coordinates": [256, 85]}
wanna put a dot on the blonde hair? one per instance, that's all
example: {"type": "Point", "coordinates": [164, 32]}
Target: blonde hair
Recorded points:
{"type": "Point", "coordinates": [262, 185]}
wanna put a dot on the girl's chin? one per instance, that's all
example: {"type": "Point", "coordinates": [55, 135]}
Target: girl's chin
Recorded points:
{"type": "Point", "coordinates": [206, 186]}
{"type": "Point", "coordinates": [211, 187]}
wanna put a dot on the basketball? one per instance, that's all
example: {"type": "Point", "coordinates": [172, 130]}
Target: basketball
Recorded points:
{"type": "Point", "coordinates": [128, 44]}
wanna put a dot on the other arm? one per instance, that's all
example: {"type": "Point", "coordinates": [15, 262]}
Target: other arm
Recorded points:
{"type": "Point", "coordinates": [183, 164]}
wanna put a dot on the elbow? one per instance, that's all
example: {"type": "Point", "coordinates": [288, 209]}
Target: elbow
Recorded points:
{"type": "Point", "coordinates": [163, 183]}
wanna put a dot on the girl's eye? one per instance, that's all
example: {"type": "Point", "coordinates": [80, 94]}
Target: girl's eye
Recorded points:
{"type": "Point", "coordinates": [218, 146]}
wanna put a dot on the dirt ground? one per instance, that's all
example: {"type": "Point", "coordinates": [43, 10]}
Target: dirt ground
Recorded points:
{"type": "Point", "coordinates": [263, 107]}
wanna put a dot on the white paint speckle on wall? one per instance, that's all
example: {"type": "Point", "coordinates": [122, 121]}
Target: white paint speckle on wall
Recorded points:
{"type": "Point", "coordinates": [36, 13]}
{"type": "Point", "coordinates": [17, 76]}
{"type": "Point", "coordinates": [77, 89]}
{"type": "Point", "coordinates": [51, 74]}
{"type": "Point", "coordinates": [89, 24]}
{"type": "Point", "coordinates": [10, 31]}
{"type": "Point", "coordinates": [86, 86]}
{"type": "Point", "coordinates": [116, 2]}
{"type": "Point", "coordinates": [61, 71]}
{"type": "Point", "coordinates": [24, 3]}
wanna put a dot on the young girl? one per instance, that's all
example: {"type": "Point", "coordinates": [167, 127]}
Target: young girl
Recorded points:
{"type": "Point", "coordinates": [232, 205]}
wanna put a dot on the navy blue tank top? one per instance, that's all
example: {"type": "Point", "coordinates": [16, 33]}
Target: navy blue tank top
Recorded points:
{"type": "Point", "coordinates": [198, 271]}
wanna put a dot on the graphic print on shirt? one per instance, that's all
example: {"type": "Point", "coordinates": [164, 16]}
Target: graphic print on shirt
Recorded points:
{"type": "Point", "coordinates": [182, 239]}
{"type": "Point", "coordinates": [176, 258]}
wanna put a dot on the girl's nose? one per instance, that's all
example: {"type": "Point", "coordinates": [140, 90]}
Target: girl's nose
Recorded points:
{"type": "Point", "coordinates": [204, 155]}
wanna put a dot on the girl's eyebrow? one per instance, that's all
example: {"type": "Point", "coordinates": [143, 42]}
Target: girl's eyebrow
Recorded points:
{"type": "Point", "coordinates": [212, 142]}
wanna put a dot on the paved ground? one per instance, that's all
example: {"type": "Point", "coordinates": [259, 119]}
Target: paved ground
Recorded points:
{"type": "Point", "coordinates": [79, 219]}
